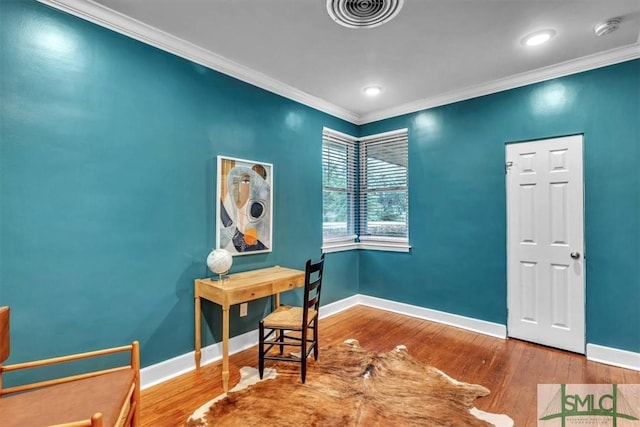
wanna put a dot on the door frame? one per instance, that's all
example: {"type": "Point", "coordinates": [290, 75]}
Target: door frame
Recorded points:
{"type": "Point", "coordinates": [584, 221]}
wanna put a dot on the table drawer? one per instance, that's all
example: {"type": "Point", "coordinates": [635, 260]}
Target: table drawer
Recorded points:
{"type": "Point", "coordinates": [287, 285]}
{"type": "Point", "coordinates": [236, 296]}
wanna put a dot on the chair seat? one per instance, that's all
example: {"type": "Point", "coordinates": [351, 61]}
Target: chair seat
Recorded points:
{"type": "Point", "coordinates": [52, 405]}
{"type": "Point", "coordinates": [287, 317]}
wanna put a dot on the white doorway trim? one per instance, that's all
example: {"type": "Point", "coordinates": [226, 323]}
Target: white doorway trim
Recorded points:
{"type": "Point", "coordinates": [545, 242]}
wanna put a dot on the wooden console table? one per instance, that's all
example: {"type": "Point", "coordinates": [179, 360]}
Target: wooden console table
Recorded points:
{"type": "Point", "coordinates": [236, 289]}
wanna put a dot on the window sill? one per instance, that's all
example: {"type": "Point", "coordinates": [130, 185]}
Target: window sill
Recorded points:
{"type": "Point", "coordinates": [371, 245]}
{"type": "Point", "coordinates": [385, 246]}
{"type": "Point", "coordinates": [329, 247]}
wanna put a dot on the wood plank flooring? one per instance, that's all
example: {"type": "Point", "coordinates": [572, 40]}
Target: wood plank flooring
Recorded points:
{"type": "Point", "coordinates": [511, 369]}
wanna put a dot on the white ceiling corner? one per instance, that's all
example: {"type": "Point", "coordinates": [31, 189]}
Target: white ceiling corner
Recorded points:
{"type": "Point", "coordinates": [336, 91]}
{"type": "Point", "coordinates": [105, 17]}
{"type": "Point", "coordinates": [591, 62]}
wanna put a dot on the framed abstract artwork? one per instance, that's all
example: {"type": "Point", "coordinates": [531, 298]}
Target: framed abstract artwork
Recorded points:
{"type": "Point", "coordinates": [244, 215]}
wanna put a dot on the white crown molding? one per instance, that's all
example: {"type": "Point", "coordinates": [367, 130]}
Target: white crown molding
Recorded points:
{"type": "Point", "coordinates": [585, 63]}
{"type": "Point", "coordinates": [108, 18]}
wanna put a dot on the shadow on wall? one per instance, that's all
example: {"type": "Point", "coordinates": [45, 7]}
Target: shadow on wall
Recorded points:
{"type": "Point", "coordinates": [169, 330]}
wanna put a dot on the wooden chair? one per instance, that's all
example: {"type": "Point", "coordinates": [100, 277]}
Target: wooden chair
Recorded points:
{"type": "Point", "coordinates": [108, 397]}
{"type": "Point", "coordinates": [289, 326]}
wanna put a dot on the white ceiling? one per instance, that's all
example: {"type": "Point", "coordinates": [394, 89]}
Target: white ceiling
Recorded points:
{"type": "Point", "coordinates": [431, 53]}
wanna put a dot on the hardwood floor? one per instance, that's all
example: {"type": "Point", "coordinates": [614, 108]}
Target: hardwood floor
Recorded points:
{"type": "Point", "coordinates": [511, 369]}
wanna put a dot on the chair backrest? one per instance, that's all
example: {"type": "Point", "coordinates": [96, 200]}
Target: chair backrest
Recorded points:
{"type": "Point", "coordinates": [312, 286]}
{"type": "Point", "coordinates": [4, 334]}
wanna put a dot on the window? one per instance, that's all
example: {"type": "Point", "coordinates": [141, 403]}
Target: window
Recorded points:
{"type": "Point", "coordinates": [384, 190]}
{"type": "Point", "coordinates": [365, 191]}
{"type": "Point", "coordinates": [339, 164]}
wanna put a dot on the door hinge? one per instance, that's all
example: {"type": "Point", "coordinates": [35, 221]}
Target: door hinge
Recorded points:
{"type": "Point", "coordinates": [507, 166]}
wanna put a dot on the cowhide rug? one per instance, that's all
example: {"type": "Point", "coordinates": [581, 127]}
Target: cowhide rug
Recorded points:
{"type": "Point", "coordinates": [350, 386]}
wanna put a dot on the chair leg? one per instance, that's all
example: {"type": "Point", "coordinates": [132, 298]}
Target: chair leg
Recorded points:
{"type": "Point", "coordinates": [261, 349]}
{"type": "Point", "coordinates": [303, 354]}
{"type": "Point", "coordinates": [315, 339]}
{"type": "Point", "coordinates": [281, 339]}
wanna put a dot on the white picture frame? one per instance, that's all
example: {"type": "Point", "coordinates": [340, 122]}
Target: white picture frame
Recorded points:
{"type": "Point", "coordinates": [244, 206]}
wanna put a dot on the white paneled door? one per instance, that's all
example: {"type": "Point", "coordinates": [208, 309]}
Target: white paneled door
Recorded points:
{"type": "Point", "coordinates": [545, 242]}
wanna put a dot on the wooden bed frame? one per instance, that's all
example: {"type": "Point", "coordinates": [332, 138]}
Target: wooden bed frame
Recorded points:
{"type": "Point", "coordinates": [108, 397]}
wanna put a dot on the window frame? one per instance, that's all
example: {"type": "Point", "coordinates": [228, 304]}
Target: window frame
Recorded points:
{"type": "Point", "coordinates": [349, 239]}
{"type": "Point", "coordinates": [357, 240]}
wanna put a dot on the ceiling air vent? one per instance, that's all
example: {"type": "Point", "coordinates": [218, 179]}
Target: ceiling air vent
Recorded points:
{"type": "Point", "coordinates": [363, 13]}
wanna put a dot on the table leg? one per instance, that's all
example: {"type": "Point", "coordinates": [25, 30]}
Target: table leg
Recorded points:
{"type": "Point", "coordinates": [197, 328]}
{"type": "Point", "coordinates": [225, 348]}
{"type": "Point", "coordinates": [276, 304]}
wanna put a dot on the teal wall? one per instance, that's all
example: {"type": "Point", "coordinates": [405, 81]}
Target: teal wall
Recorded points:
{"type": "Point", "coordinates": [457, 199]}
{"type": "Point", "coordinates": [107, 169]}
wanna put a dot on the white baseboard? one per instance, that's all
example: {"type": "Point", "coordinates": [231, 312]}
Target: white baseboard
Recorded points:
{"type": "Point", "coordinates": [171, 368]}
{"type": "Point", "coordinates": [163, 371]}
{"type": "Point", "coordinates": [468, 323]}
{"type": "Point", "coordinates": [613, 356]}
{"type": "Point", "coordinates": [338, 306]}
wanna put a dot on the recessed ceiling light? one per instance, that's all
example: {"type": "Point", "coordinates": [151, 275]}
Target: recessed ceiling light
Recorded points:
{"type": "Point", "coordinates": [539, 37]}
{"type": "Point", "coordinates": [372, 90]}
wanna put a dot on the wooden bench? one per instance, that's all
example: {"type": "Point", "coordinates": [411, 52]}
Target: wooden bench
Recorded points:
{"type": "Point", "coordinates": [107, 397]}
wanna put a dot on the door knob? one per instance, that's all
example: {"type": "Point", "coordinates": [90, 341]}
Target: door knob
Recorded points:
{"type": "Point", "coordinates": [575, 255]}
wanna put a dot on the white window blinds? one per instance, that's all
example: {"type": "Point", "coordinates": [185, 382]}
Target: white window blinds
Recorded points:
{"type": "Point", "coordinates": [339, 164]}
{"type": "Point", "coordinates": [384, 186]}
{"type": "Point", "coordinates": [365, 190]}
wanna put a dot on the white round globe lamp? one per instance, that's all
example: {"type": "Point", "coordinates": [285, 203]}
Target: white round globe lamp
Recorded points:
{"type": "Point", "coordinates": [219, 262]}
